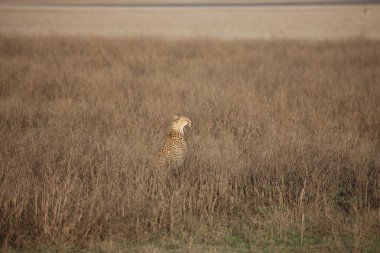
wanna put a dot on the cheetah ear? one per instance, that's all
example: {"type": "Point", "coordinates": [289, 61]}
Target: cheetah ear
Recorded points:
{"type": "Point", "coordinates": [175, 117]}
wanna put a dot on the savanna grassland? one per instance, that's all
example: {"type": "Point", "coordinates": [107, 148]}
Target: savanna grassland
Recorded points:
{"type": "Point", "coordinates": [283, 151]}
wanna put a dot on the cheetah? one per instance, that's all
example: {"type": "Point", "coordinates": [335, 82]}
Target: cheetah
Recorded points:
{"type": "Point", "coordinates": [174, 151]}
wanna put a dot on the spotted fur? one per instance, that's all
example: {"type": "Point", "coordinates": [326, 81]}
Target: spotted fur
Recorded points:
{"type": "Point", "coordinates": [175, 148]}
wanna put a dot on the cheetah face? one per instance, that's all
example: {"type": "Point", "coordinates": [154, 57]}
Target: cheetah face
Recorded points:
{"type": "Point", "coordinates": [179, 123]}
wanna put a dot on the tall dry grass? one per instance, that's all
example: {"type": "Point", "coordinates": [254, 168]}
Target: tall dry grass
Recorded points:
{"type": "Point", "coordinates": [285, 141]}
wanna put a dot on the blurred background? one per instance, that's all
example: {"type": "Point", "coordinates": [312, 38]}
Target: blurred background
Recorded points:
{"type": "Point", "coordinates": [227, 19]}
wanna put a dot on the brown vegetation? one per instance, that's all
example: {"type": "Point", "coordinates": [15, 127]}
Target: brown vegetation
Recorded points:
{"type": "Point", "coordinates": [284, 147]}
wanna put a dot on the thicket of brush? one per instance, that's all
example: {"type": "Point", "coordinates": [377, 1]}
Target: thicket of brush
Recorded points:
{"type": "Point", "coordinates": [285, 140]}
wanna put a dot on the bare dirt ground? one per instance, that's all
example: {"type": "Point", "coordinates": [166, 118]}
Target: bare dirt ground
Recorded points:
{"type": "Point", "coordinates": [305, 22]}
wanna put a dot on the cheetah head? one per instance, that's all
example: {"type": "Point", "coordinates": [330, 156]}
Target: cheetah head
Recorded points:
{"type": "Point", "coordinates": [179, 123]}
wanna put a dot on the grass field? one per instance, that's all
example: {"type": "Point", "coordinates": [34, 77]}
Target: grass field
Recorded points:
{"type": "Point", "coordinates": [328, 22]}
{"type": "Point", "coordinates": [284, 151]}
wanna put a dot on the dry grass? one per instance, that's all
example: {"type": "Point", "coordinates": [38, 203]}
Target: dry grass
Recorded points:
{"type": "Point", "coordinates": [334, 22]}
{"type": "Point", "coordinates": [284, 149]}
